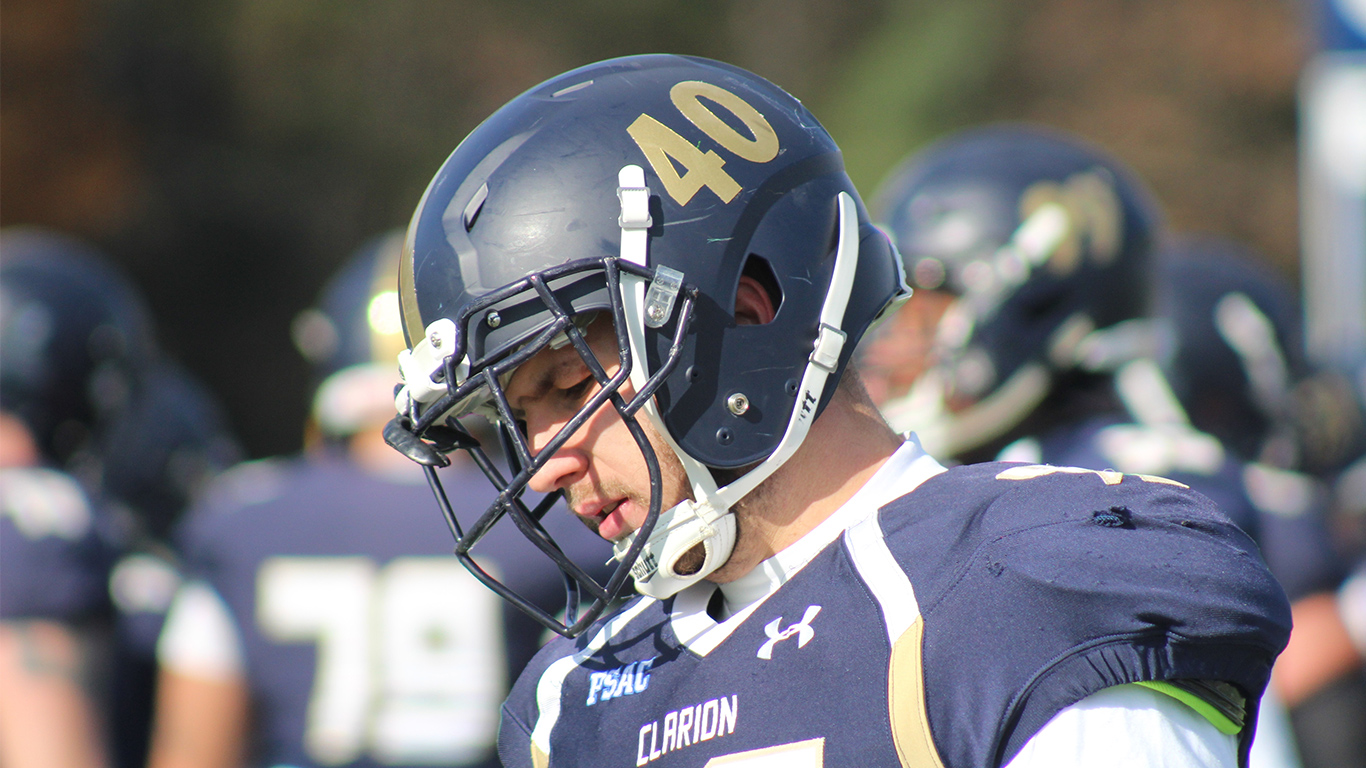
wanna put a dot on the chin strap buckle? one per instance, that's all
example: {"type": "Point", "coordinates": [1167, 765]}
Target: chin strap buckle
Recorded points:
{"type": "Point", "coordinates": [635, 218]}
{"type": "Point", "coordinates": [829, 343]}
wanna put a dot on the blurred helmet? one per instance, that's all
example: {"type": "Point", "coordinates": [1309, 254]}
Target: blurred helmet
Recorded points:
{"type": "Point", "coordinates": [1236, 342]}
{"type": "Point", "coordinates": [76, 337]}
{"type": "Point", "coordinates": [1044, 241]}
{"type": "Point", "coordinates": [172, 440]}
{"type": "Point", "coordinates": [643, 188]}
{"type": "Point", "coordinates": [352, 338]}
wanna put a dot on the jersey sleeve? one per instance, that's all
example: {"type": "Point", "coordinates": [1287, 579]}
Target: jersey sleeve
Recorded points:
{"type": "Point", "coordinates": [200, 638]}
{"type": "Point", "coordinates": [514, 740]}
{"type": "Point", "coordinates": [1040, 586]}
{"type": "Point", "coordinates": [521, 710]}
{"type": "Point", "coordinates": [1128, 726]}
{"type": "Point", "coordinates": [54, 555]}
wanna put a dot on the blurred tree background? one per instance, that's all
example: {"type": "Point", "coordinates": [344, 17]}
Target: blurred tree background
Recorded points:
{"type": "Point", "coordinates": [231, 153]}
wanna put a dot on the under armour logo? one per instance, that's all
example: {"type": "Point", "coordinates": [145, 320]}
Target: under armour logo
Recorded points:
{"type": "Point", "coordinates": [801, 629]}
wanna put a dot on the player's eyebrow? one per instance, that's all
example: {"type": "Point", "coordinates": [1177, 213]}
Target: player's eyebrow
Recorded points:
{"type": "Point", "coordinates": [537, 391]}
{"type": "Point", "coordinates": [540, 386]}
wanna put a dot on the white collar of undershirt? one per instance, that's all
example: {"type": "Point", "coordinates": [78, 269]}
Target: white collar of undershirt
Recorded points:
{"type": "Point", "coordinates": [906, 469]}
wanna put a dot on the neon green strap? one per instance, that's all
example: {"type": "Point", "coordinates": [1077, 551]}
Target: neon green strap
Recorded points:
{"type": "Point", "coordinates": [1224, 711]}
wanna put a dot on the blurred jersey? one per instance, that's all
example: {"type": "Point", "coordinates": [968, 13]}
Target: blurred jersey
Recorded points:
{"type": "Point", "coordinates": [1282, 511]}
{"type": "Point", "coordinates": [332, 591]}
{"type": "Point", "coordinates": [55, 551]}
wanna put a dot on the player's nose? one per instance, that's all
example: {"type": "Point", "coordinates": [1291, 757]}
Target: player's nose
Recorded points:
{"type": "Point", "coordinates": [567, 464]}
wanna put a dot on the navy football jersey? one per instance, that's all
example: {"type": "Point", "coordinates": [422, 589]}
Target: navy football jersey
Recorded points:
{"type": "Point", "coordinates": [55, 548]}
{"type": "Point", "coordinates": [943, 626]}
{"type": "Point", "coordinates": [365, 643]}
{"type": "Point", "coordinates": [1283, 512]}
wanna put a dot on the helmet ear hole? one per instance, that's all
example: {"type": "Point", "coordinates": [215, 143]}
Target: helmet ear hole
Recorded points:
{"type": "Point", "coordinates": [758, 269]}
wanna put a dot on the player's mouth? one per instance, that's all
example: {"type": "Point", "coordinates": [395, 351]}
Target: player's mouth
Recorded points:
{"type": "Point", "coordinates": [608, 520]}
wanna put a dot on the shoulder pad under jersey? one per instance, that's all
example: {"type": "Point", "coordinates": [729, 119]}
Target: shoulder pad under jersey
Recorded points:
{"type": "Point", "coordinates": [1040, 585]}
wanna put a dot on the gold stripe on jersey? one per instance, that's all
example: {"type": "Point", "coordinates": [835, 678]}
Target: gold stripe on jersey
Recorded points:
{"type": "Point", "coordinates": [906, 701]}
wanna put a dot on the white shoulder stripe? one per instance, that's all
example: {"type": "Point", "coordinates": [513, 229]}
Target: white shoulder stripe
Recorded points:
{"type": "Point", "coordinates": [551, 685]}
{"type": "Point", "coordinates": [890, 585]}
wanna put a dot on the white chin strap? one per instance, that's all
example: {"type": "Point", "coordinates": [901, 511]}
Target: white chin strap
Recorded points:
{"type": "Point", "coordinates": [679, 530]}
{"type": "Point", "coordinates": [706, 521]}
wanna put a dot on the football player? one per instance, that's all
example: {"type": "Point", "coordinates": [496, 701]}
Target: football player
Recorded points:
{"type": "Point", "coordinates": [651, 274]}
{"type": "Point", "coordinates": [1042, 250]}
{"type": "Point", "coordinates": [1030, 251]}
{"type": "Point", "coordinates": [1233, 351]}
{"type": "Point", "coordinates": [75, 338]}
{"type": "Point", "coordinates": [172, 441]}
{"type": "Point", "coordinates": [323, 621]}
{"type": "Point", "coordinates": [1037, 254]}
{"type": "Point", "coordinates": [1236, 363]}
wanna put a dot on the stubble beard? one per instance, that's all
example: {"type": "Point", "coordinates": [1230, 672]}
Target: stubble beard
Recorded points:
{"type": "Point", "coordinates": [612, 490]}
{"type": "Point", "coordinates": [673, 483]}
{"type": "Point", "coordinates": [747, 547]}
{"type": "Point", "coordinates": [747, 551]}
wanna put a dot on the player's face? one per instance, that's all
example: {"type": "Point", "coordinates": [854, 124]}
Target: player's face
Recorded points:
{"type": "Point", "coordinates": [600, 468]}
{"type": "Point", "coordinates": [903, 348]}
{"type": "Point", "coordinates": [17, 448]}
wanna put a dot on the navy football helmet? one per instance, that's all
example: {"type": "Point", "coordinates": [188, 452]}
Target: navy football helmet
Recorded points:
{"type": "Point", "coordinates": [1236, 346]}
{"type": "Point", "coordinates": [76, 338]}
{"type": "Point", "coordinates": [1235, 357]}
{"type": "Point", "coordinates": [1044, 242]}
{"type": "Point", "coordinates": [642, 188]}
{"type": "Point", "coordinates": [173, 439]}
{"type": "Point", "coordinates": [352, 337]}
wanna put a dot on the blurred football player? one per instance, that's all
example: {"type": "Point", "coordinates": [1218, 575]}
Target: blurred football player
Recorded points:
{"type": "Point", "coordinates": [1235, 360]}
{"type": "Point", "coordinates": [1041, 249]}
{"type": "Point", "coordinates": [1030, 250]}
{"type": "Point", "coordinates": [651, 274]}
{"type": "Point", "coordinates": [172, 440]}
{"type": "Point", "coordinates": [324, 622]}
{"type": "Point", "coordinates": [75, 338]}
{"type": "Point", "coordinates": [1232, 353]}
{"type": "Point", "coordinates": [1332, 172]}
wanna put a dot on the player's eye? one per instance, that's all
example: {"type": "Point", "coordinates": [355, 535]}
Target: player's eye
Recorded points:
{"type": "Point", "coordinates": [576, 392]}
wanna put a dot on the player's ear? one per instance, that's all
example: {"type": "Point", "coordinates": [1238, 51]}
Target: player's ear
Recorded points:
{"type": "Point", "coordinates": [753, 304]}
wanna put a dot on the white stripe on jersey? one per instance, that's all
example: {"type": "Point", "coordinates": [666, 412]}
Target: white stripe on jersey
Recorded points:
{"type": "Point", "coordinates": [890, 585]}
{"type": "Point", "coordinates": [550, 687]}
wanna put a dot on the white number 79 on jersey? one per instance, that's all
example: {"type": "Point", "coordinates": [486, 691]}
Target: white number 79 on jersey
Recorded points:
{"type": "Point", "coordinates": [410, 656]}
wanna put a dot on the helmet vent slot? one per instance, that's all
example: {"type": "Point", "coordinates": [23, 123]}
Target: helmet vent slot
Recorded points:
{"type": "Point", "coordinates": [475, 205]}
